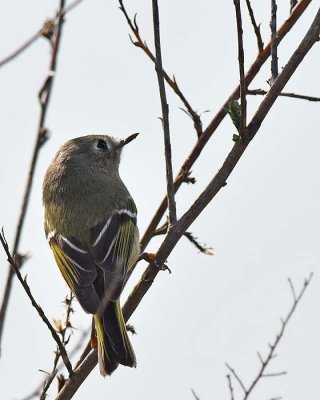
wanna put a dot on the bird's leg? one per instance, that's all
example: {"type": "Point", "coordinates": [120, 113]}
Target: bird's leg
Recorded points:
{"type": "Point", "coordinates": [151, 259]}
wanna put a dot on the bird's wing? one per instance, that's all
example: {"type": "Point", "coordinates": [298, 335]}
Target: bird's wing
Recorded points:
{"type": "Point", "coordinates": [115, 247]}
{"type": "Point", "coordinates": [78, 269]}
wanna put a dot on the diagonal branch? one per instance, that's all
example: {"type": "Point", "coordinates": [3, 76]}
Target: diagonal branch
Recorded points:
{"type": "Point", "coordinates": [42, 136]}
{"type": "Point", "coordinates": [39, 389]}
{"type": "Point", "coordinates": [272, 347]}
{"type": "Point", "coordinates": [40, 311]}
{"type": "Point", "coordinates": [195, 395]}
{"type": "Point", "coordinates": [165, 115]}
{"type": "Point", "coordinates": [255, 26]}
{"type": "Point", "coordinates": [305, 46]}
{"type": "Point", "coordinates": [62, 329]}
{"type": "Point", "coordinates": [21, 48]}
{"type": "Point", "coordinates": [215, 122]}
{"type": "Point", "coordinates": [218, 181]}
{"type": "Point", "coordinates": [43, 31]}
{"type": "Point", "coordinates": [236, 377]}
{"type": "Point", "coordinates": [170, 81]}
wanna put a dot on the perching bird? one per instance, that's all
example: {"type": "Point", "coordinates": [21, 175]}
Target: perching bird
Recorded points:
{"type": "Point", "coordinates": [90, 224]}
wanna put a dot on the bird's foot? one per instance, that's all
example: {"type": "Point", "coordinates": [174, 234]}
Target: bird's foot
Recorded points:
{"type": "Point", "coordinates": [151, 259]}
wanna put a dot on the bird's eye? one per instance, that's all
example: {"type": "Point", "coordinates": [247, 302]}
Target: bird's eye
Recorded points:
{"type": "Point", "coordinates": [101, 145]}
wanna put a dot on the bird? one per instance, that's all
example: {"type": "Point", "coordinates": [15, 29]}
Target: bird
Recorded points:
{"type": "Point", "coordinates": [90, 222]}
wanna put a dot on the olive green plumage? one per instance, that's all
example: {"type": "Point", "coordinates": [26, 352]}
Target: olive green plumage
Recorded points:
{"type": "Point", "coordinates": [90, 223]}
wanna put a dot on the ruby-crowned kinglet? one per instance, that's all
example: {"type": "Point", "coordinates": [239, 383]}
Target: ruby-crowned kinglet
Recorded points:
{"type": "Point", "coordinates": [90, 224]}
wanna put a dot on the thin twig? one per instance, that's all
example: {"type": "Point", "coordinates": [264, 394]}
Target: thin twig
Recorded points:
{"type": "Point", "coordinates": [165, 115]}
{"type": "Point", "coordinates": [40, 311]}
{"type": "Point", "coordinates": [305, 46]}
{"type": "Point", "coordinates": [62, 329]}
{"type": "Point", "coordinates": [195, 395]}
{"type": "Point", "coordinates": [262, 92]}
{"type": "Point", "coordinates": [170, 81]}
{"type": "Point", "coordinates": [78, 377]}
{"type": "Point", "coordinates": [256, 27]}
{"type": "Point", "coordinates": [50, 378]}
{"type": "Point", "coordinates": [230, 386]}
{"type": "Point", "coordinates": [293, 291]}
{"type": "Point", "coordinates": [37, 35]}
{"type": "Point", "coordinates": [38, 390]}
{"type": "Point", "coordinates": [273, 374]}
{"type": "Point", "coordinates": [21, 48]}
{"type": "Point", "coordinates": [162, 230]}
{"type": "Point", "coordinates": [243, 87]}
{"type": "Point", "coordinates": [279, 336]}
{"type": "Point", "coordinates": [274, 44]}
{"type": "Point", "coordinates": [42, 136]}
{"type": "Point", "coordinates": [260, 357]}
{"type": "Point", "coordinates": [215, 122]}
{"type": "Point", "coordinates": [236, 376]}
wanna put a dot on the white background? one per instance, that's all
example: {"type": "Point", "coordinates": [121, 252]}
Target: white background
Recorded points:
{"type": "Point", "coordinates": [263, 226]}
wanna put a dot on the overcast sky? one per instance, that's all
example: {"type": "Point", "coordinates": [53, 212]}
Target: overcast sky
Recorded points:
{"type": "Point", "coordinates": [263, 226]}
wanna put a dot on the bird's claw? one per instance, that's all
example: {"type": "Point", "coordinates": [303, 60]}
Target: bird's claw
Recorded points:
{"type": "Point", "coordinates": [151, 259]}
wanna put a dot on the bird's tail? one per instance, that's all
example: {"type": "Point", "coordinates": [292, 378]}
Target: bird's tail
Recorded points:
{"type": "Point", "coordinates": [114, 346]}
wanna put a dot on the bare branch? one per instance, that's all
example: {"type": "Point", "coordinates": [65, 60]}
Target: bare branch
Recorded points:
{"type": "Point", "coordinates": [230, 387]}
{"type": "Point", "coordinates": [236, 376]}
{"type": "Point", "coordinates": [43, 31]}
{"type": "Point", "coordinates": [306, 44]}
{"type": "Point", "coordinates": [38, 390]}
{"type": "Point", "coordinates": [195, 395]}
{"type": "Point", "coordinates": [293, 291]}
{"type": "Point", "coordinates": [170, 81]}
{"type": "Point", "coordinates": [213, 125]}
{"type": "Point", "coordinates": [260, 357]}
{"type": "Point", "coordinates": [79, 375]}
{"type": "Point", "coordinates": [277, 339]}
{"type": "Point", "coordinates": [255, 27]}
{"type": "Point", "coordinates": [40, 311]}
{"type": "Point", "coordinates": [42, 136]}
{"type": "Point", "coordinates": [165, 115]}
{"type": "Point", "coordinates": [162, 230]}
{"type": "Point", "coordinates": [262, 92]}
{"type": "Point", "coordinates": [272, 347]}
{"type": "Point", "coordinates": [274, 44]}
{"type": "Point", "coordinates": [62, 329]}
{"type": "Point", "coordinates": [21, 48]}
{"type": "Point", "coordinates": [224, 172]}
{"type": "Point", "coordinates": [50, 379]}
{"type": "Point", "coordinates": [273, 374]}
{"type": "Point", "coordinates": [243, 119]}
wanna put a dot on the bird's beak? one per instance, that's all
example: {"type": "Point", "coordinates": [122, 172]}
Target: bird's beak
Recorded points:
{"type": "Point", "coordinates": [129, 139]}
